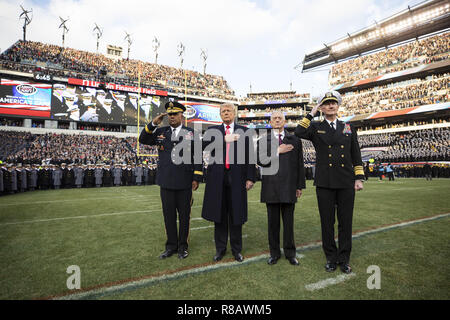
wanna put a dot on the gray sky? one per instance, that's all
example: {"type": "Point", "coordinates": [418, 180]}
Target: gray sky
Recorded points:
{"type": "Point", "coordinates": [249, 42]}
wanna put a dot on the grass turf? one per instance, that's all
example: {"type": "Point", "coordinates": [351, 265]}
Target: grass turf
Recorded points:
{"type": "Point", "coordinates": [116, 234]}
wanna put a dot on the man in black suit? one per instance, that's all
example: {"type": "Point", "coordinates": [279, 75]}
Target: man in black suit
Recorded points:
{"type": "Point", "coordinates": [339, 173]}
{"type": "Point", "coordinates": [283, 178]}
{"type": "Point", "coordinates": [176, 179]}
{"type": "Point", "coordinates": [231, 173]}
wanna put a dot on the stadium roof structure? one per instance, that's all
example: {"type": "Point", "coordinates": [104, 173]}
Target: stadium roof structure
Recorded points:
{"type": "Point", "coordinates": [425, 18]}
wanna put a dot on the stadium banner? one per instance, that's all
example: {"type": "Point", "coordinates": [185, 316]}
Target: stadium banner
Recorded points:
{"type": "Point", "coordinates": [117, 87]}
{"type": "Point", "coordinates": [197, 112]}
{"type": "Point", "coordinates": [90, 104]}
{"type": "Point", "coordinates": [24, 98]}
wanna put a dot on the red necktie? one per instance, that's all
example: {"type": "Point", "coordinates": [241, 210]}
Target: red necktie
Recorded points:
{"type": "Point", "coordinates": [227, 157]}
{"type": "Point", "coordinates": [279, 139]}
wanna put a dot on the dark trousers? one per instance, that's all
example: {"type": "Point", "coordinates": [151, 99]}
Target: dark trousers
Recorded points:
{"type": "Point", "coordinates": [173, 201]}
{"type": "Point", "coordinates": [286, 210]}
{"type": "Point", "coordinates": [338, 202]}
{"type": "Point", "coordinates": [226, 225]}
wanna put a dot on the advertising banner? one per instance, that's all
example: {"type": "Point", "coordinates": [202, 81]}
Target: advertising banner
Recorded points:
{"type": "Point", "coordinates": [198, 112]}
{"type": "Point", "coordinates": [25, 98]}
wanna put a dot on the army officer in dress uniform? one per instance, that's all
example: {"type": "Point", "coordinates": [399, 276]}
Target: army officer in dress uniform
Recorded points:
{"type": "Point", "coordinates": [339, 173]}
{"type": "Point", "coordinates": [177, 180]}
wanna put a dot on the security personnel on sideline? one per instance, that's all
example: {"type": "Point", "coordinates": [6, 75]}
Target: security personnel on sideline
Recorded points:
{"type": "Point", "coordinates": [339, 173]}
{"type": "Point", "coordinates": [177, 181]}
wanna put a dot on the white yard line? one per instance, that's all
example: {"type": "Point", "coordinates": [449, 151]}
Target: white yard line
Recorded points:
{"type": "Point", "coordinates": [87, 216]}
{"type": "Point", "coordinates": [329, 282]}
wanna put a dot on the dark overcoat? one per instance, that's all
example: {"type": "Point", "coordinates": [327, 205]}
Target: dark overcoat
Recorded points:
{"type": "Point", "coordinates": [240, 173]}
{"type": "Point", "coordinates": [281, 187]}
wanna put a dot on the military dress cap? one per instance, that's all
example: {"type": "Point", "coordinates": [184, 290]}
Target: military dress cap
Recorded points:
{"type": "Point", "coordinates": [331, 96]}
{"type": "Point", "coordinates": [174, 107]}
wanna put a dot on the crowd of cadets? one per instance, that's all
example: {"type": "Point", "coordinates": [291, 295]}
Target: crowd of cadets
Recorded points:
{"type": "Point", "coordinates": [42, 177]}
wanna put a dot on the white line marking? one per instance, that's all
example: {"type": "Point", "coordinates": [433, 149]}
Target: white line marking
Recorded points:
{"type": "Point", "coordinates": [198, 228]}
{"type": "Point", "coordinates": [76, 217]}
{"type": "Point", "coordinates": [69, 200]}
{"type": "Point", "coordinates": [329, 282]}
{"type": "Point", "coordinates": [83, 217]}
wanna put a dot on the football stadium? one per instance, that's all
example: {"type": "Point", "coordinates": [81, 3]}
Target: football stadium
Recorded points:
{"type": "Point", "coordinates": [81, 211]}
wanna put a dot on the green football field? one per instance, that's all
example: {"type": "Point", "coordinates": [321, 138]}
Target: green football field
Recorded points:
{"type": "Point", "coordinates": [115, 235]}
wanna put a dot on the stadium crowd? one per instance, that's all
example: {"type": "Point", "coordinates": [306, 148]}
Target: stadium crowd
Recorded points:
{"type": "Point", "coordinates": [68, 62]}
{"type": "Point", "coordinates": [29, 161]}
{"type": "Point", "coordinates": [30, 177]}
{"type": "Point", "coordinates": [272, 96]}
{"type": "Point", "coordinates": [420, 145]}
{"type": "Point", "coordinates": [27, 148]}
{"type": "Point", "coordinates": [413, 54]}
{"type": "Point", "coordinates": [400, 95]}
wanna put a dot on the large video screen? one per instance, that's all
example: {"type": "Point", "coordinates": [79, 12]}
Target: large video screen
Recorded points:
{"type": "Point", "coordinates": [25, 98]}
{"type": "Point", "coordinates": [199, 112]}
{"type": "Point", "coordinates": [88, 104]}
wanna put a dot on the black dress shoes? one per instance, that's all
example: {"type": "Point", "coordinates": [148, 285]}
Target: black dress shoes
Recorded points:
{"type": "Point", "coordinates": [219, 255]}
{"type": "Point", "coordinates": [238, 257]}
{"type": "Point", "coordinates": [330, 266]}
{"type": "Point", "coordinates": [183, 254]}
{"type": "Point", "coordinates": [272, 260]}
{"type": "Point", "coordinates": [345, 268]}
{"type": "Point", "coordinates": [293, 261]}
{"type": "Point", "coordinates": [167, 254]}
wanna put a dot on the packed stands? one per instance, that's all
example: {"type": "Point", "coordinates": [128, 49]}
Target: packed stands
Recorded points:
{"type": "Point", "coordinates": [410, 146]}
{"type": "Point", "coordinates": [30, 56]}
{"type": "Point", "coordinates": [425, 51]}
{"type": "Point", "coordinates": [434, 89]}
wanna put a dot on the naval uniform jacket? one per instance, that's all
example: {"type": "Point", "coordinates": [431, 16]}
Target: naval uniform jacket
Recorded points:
{"type": "Point", "coordinates": [338, 156]}
{"type": "Point", "coordinates": [170, 175]}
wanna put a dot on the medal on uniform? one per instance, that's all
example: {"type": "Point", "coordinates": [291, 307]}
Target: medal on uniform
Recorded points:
{"type": "Point", "coordinates": [347, 129]}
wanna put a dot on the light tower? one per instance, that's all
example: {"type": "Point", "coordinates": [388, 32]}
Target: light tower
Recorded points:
{"type": "Point", "coordinates": [130, 42]}
{"type": "Point", "coordinates": [26, 21]}
{"type": "Point", "coordinates": [156, 45]}
{"type": "Point", "coordinates": [181, 48]}
{"type": "Point", "coordinates": [204, 56]}
{"type": "Point", "coordinates": [98, 32]}
{"type": "Point", "coordinates": [64, 29]}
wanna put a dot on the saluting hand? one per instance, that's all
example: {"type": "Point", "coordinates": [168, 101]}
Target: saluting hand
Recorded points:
{"type": "Point", "coordinates": [158, 119]}
{"type": "Point", "coordinates": [315, 109]}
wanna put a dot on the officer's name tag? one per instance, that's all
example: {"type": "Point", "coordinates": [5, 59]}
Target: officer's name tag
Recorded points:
{"type": "Point", "coordinates": [320, 131]}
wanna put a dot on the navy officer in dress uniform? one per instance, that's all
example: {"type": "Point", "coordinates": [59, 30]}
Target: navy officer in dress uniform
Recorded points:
{"type": "Point", "coordinates": [339, 173]}
{"type": "Point", "coordinates": [176, 179]}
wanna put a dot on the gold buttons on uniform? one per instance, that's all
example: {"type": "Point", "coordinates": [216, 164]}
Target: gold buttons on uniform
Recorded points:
{"type": "Point", "coordinates": [329, 147]}
{"type": "Point", "coordinates": [329, 155]}
{"type": "Point", "coordinates": [342, 165]}
{"type": "Point", "coordinates": [342, 146]}
{"type": "Point", "coordinates": [331, 165]}
{"type": "Point", "coordinates": [342, 155]}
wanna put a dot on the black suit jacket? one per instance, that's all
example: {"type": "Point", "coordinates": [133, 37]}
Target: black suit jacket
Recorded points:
{"type": "Point", "coordinates": [171, 175]}
{"type": "Point", "coordinates": [338, 157]}
{"type": "Point", "coordinates": [281, 187]}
